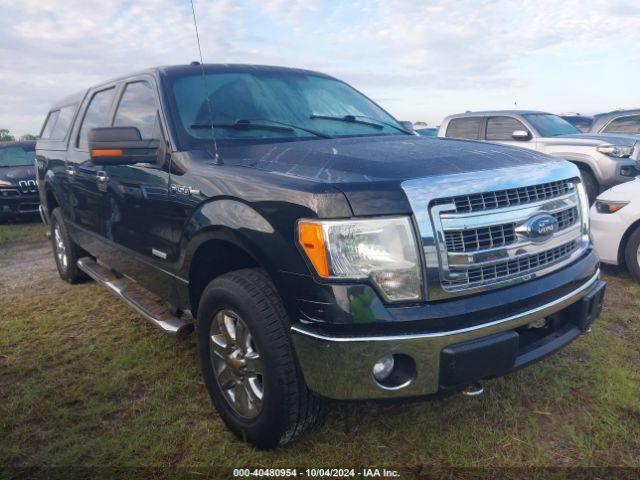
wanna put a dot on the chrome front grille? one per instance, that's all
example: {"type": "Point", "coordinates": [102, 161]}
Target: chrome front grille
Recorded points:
{"type": "Point", "coordinates": [508, 198]}
{"type": "Point", "coordinates": [494, 236]}
{"type": "Point", "coordinates": [489, 229]}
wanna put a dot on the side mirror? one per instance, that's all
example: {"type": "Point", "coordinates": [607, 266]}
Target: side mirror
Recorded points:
{"type": "Point", "coordinates": [408, 126]}
{"type": "Point", "coordinates": [121, 146]}
{"type": "Point", "coordinates": [521, 135]}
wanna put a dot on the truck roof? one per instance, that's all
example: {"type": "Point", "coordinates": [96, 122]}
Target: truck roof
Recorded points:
{"type": "Point", "coordinates": [496, 112]}
{"type": "Point", "coordinates": [196, 68]}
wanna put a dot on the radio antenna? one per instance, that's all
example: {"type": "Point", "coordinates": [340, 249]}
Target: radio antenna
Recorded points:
{"type": "Point", "coordinates": [204, 84]}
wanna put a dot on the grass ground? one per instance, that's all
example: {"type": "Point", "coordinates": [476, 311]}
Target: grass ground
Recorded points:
{"type": "Point", "coordinates": [85, 381]}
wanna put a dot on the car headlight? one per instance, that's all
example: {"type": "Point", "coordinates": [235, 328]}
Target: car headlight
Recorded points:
{"type": "Point", "coordinates": [607, 207]}
{"type": "Point", "coordinates": [382, 250]}
{"type": "Point", "coordinates": [617, 151]}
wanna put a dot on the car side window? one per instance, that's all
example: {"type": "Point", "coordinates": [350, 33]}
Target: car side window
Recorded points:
{"type": "Point", "coordinates": [49, 124]}
{"type": "Point", "coordinates": [138, 108]}
{"type": "Point", "coordinates": [628, 125]}
{"type": "Point", "coordinates": [467, 128]}
{"type": "Point", "coordinates": [63, 122]}
{"type": "Point", "coordinates": [96, 114]}
{"type": "Point", "coordinates": [502, 128]}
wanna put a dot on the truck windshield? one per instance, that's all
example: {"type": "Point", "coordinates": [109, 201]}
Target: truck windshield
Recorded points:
{"type": "Point", "coordinates": [549, 125]}
{"type": "Point", "coordinates": [17, 156]}
{"type": "Point", "coordinates": [260, 106]}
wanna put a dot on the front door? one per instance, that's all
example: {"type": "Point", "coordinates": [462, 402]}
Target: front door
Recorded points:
{"type": "Point", "coordinates": [500, 129]}
{"type": "Point", "coordinates": [137, 196]}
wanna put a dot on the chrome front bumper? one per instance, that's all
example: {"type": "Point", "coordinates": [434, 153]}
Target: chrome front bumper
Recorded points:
{"type": "Point", "coordinates": [341, 367]}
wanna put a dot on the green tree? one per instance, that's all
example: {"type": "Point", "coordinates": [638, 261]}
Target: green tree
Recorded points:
{"type": "Point", "coordinates": [29, 136]}
{"type": "Point", "coordinates": [5, 136]}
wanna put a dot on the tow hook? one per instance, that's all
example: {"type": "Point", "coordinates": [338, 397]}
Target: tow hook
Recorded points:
{"type": "Point", "coordinates": [473, 390]}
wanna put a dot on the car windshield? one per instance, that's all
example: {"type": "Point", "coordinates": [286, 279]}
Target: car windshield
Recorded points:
{"type": "Point", "coordinates": [549, 125]}
{"type": "Point", "coordinates": [272, 106]}
{"type": "Point", "coordinates": [17, 156]}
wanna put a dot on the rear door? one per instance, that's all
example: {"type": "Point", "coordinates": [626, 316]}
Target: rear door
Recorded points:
{"type": "Point", "coordinates": [85, 184]}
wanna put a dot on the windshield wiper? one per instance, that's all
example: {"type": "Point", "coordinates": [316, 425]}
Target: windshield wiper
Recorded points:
{"type": "Point", "coordinates": [249, 125]}
{"type": "Point", "coordinates": [348, 119]}
{"type": "Point", "coordinates": [397, 127]}
{"type": "Point", "coordinates": [355, 119]}
{"type": "Point", "coordinates": [242, 125]}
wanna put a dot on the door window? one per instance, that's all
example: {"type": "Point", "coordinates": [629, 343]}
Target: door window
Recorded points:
{"type": "Point", "coordinates": [96, 115]}
{"type": "Point", "coordinates": [502, 128]}
{"type": "Point", "coordinates": [468, 128]}
{"type": "Point", "coordinates": [138, 109]}
{"type": "Point", "coordinates": [628, 125]}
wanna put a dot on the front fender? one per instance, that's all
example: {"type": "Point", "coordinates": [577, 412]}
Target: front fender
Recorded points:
{"type": "Point", "coordinates": [238, 223]}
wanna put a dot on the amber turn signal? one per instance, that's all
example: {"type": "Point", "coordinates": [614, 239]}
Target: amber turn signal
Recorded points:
{"type": "Point", "coordinates": [107, 153]}
{"type": "Point", "coordinates": [311, 239]}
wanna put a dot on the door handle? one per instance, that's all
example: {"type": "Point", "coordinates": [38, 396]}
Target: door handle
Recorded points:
{"type": "Point", "coordinates": [102, 176]}
{"type": "Point", "coordinates": [70, 171]}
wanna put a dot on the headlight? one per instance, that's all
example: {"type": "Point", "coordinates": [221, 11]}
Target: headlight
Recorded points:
{"type": "Point", "coordinates": [383, 250]}
{"type": "Point", "coordinates": [617, 151]}
{"type": "Point", "coordinates": [606, 207]}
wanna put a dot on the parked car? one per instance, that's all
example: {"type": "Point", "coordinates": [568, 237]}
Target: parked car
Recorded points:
{"type": "Point", "coordinates": [604, 160]}
{"type": "Point", "coordinates": [18, 189]}
{"type": "Point", "coordinates": [323, 250]}
{"type": "Point", "coordinates": [427, 131]}
{"type": "Point", "coordinates": [615, 220]}
{"type": "Point", "coordinates": [620, 121]}
{"type": "Point", "coordinates": [581, 122]}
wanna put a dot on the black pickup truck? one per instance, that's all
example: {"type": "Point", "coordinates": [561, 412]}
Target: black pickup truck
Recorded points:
{"type": "Point", "coordinates": [18, 189]}
{"type": "Point", "coordinates": [324, 250]}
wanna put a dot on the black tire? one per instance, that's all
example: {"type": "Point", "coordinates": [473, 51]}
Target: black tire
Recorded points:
{"type": "Point", "coordinates": [288, 408]}
{"type": "Point", "coordinates": [632, 254]}
{"type": "Point", "coordinates": [68, 270]}
{"type": "Point", "coordinates": [590, 185]}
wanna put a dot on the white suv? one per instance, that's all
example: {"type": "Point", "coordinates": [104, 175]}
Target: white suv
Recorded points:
{"type": "Point", "coordinates": [604, 160]}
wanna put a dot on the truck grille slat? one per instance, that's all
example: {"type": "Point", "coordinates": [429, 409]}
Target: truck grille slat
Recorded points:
{"type": "Point", "coordinates": [478, 276]}
{"type": "Point", "coordinates": [508, 198]}
{"type": "Point", "coordinates": [498, 235]}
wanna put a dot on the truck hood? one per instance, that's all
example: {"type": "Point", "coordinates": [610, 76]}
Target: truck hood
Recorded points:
{"type": "Point", "coordinates": [369, 171]}
{"type": "Point", "coordinates": [12, 175]}
{"type": "Point", "coordinates": [590, 139]}
{"type": "Point", "coordinates": [374, 159]}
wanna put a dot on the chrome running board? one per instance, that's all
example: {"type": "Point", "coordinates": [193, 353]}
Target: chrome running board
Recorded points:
{"type": "Point", "coordinates": [136, 298]}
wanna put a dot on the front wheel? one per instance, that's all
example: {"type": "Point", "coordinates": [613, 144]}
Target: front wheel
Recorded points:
{"type": "Point", "coordinates": [248, 363]}
{"type": "Point", "coordinates": [632, 255]}
{"type": "Point", "coordinates": [590, 185]}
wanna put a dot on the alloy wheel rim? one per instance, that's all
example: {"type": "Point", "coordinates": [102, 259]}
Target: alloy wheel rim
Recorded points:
{"type": "Point", "coordinates": [61, 249]}
{"type": "Point", "coordinates": [236, 363]}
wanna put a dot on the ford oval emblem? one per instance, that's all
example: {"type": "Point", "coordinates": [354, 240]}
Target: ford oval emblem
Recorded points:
{"type": "Point", "coordinates": [540, 227]}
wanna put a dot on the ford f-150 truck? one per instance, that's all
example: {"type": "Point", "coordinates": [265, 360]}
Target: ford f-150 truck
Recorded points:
{"type": "Point", "coordinates": [323, 250]}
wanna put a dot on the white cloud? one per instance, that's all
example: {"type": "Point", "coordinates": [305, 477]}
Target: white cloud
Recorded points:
{"type": "Point", "coordinates": [426, 58]}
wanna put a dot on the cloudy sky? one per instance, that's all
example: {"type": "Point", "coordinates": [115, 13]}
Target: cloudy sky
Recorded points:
{"type": "Point", "coordinates": [420, 59]}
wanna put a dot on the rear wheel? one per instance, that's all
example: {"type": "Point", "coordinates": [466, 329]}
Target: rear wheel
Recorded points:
{"type": "Point", "coordinates": [248, 363]}
{"type": "Point", "coordinates": [65, 251]}
{"type": "Point", "coordinates": [590, 185]}
{"type": "Point", "coordinates": [632, 255]}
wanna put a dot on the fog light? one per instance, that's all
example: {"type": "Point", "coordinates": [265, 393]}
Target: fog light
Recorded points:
{"type": "Point", "coordinates": [628, 171]}
{"type": "Point", "coordinates": [383, 368]}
